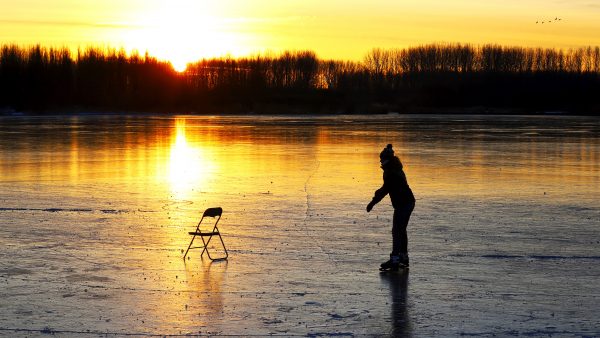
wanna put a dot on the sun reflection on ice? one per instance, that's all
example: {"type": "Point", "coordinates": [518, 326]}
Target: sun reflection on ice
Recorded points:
{"type": "Point", "coordinates": [189, 167]}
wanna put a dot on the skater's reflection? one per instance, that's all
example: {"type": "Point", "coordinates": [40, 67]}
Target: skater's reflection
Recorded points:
{"type": "Point", "coordinates": [398, 285]}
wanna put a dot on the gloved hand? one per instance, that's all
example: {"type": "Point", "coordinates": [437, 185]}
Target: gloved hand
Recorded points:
{"type": "Point", "coordinates": [370, 206]}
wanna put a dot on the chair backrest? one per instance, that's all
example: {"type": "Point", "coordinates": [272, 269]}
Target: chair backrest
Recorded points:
{"type": "Point", "coordinates": [213, 212]}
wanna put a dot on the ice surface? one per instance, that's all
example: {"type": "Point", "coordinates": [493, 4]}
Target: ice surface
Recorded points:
{"type": "Point", "coordinates": [95, 210]}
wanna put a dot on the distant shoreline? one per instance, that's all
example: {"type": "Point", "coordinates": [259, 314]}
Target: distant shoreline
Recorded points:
{"type": "Point", "coordinates": [480, 111]}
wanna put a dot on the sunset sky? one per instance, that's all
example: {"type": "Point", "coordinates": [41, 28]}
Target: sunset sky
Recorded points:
{"type": "Point", "coordinates": [185, 30]}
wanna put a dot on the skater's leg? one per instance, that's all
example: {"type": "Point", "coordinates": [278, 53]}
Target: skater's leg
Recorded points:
{"type": "Point", "coordinates": [399, 234]}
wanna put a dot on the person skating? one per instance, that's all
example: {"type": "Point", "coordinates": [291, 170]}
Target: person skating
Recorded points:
{"type": "Point", "coordinates": [403, 201]}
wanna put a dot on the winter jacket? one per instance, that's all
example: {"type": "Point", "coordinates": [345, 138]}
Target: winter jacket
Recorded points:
{"type": "Point", "coordinates": [395, 184]}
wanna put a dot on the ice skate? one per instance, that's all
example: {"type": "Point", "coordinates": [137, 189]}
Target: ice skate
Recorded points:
{"type": "Point", "coordinates": [404, 262]}
{"type": "Point", "coordinates": [389, 266]}
{"type": "Point", "coordinates": [393, 264]}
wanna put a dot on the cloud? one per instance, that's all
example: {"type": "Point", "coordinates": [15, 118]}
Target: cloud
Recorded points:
{"type": "Point", "coordinates": [583, 4]}
{"type": "Point", "coordinates": [275, 20]}
{"type": "Point", "coordinates": [70, 23]}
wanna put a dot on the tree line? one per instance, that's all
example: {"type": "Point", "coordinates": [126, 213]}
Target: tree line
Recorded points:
{"type": "Point", "coordinates": [422, 78]}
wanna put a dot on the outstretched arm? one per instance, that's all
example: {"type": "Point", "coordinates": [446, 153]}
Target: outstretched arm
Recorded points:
{"type": "Point", "coordinates": [379, 195]}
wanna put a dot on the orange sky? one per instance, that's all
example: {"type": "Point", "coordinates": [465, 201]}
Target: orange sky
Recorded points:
{"type": "Point", "coordinates": [186, 30]}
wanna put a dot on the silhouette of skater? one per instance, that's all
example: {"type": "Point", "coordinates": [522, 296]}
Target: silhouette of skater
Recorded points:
{"type": "Point", "coordinates": [403, 201]}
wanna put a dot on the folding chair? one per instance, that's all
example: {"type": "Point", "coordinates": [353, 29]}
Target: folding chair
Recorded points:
{"type": "Point", "coordinates": [210, 212]}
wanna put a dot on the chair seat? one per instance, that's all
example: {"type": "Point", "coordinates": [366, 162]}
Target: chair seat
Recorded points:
{"type": "Point", "coordinates": [200, 233]}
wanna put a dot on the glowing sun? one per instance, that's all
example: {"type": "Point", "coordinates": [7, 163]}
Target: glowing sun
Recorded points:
{"type": "Point", "coordinates": [182, 31]}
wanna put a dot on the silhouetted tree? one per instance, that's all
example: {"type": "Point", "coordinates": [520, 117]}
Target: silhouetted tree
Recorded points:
{"type": "Point", "coordinates": [435, 75]}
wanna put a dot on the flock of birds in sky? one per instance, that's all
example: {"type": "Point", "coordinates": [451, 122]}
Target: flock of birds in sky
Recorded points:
{"type": "Point", "coordinates": [556, 19]}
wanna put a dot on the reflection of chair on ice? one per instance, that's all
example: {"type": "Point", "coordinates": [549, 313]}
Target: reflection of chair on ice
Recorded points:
{"type": "Point", "coordinates": [214, 213]}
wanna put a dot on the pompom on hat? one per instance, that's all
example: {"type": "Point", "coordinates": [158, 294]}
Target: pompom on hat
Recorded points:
{"type": "Point", "coordinates": [386, 154]}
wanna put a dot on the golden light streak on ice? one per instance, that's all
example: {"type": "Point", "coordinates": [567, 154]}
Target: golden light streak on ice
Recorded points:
{"type": "Point", "coordinates": [189, 168]}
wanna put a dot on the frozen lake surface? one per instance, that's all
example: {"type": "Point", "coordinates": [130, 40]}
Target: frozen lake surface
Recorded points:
{"type": "Point", "coordinates": [95, 210]}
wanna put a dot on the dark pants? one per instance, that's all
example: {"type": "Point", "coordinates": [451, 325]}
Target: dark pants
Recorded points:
{"type": "Point", "coordinates": [399, 236]}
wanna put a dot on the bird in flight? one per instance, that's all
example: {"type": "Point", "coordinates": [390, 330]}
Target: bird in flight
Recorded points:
{"type": "Point", "coordinates": [556, 19]}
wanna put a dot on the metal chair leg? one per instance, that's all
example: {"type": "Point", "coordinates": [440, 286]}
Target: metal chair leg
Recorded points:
{"type": "Point", "coordinates": [189, 246]}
